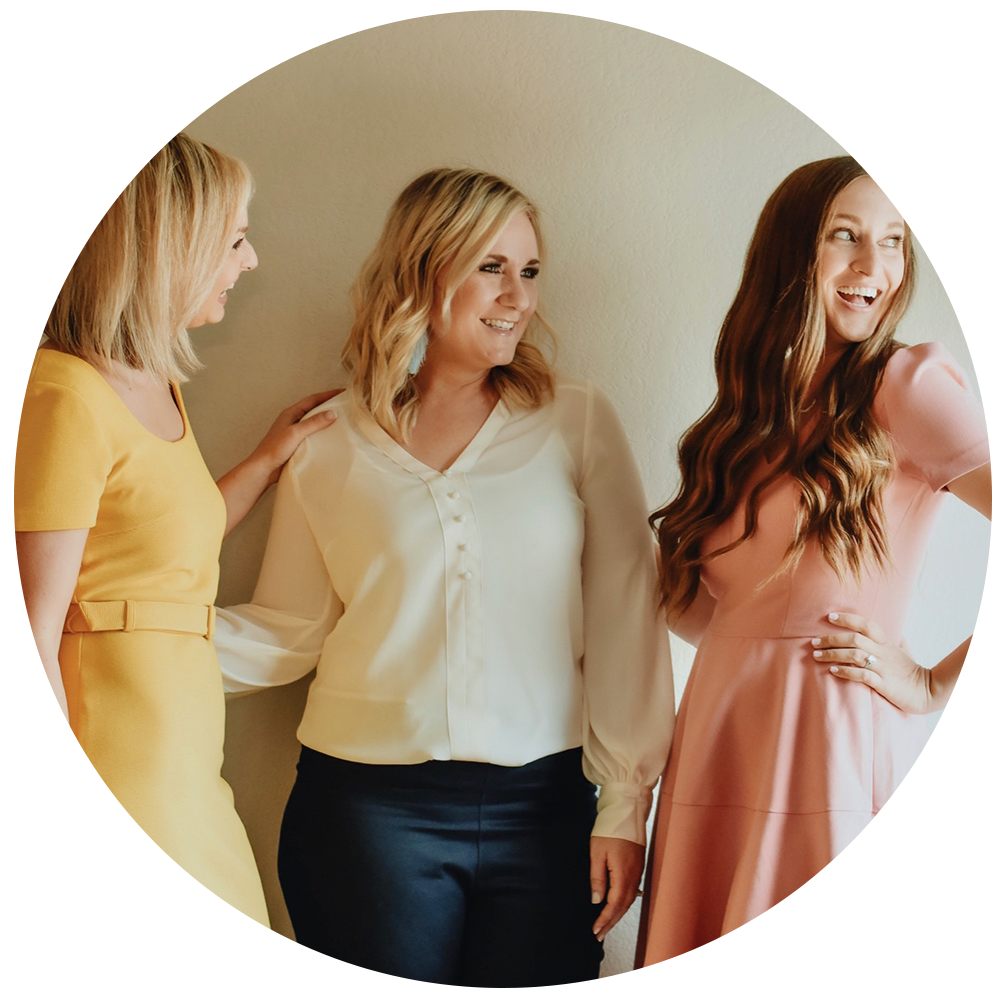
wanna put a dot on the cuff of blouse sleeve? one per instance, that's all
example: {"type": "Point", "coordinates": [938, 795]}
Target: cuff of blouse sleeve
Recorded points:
{"type": "Point", "coordinates": [622, 808]}
{"type": "Point", "coordinates": [233, 688]}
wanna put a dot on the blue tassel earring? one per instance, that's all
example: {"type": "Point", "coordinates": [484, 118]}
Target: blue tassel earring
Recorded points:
{"type": "Point", "coordinates": [418, 354]}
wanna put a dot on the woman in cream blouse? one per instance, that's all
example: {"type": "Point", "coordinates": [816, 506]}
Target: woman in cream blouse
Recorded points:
{"type": "Point", "coordinates": [464, 559]}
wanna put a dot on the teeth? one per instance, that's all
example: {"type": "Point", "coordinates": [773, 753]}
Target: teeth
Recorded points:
{"type": "Point", "coordinates": [499, 324]}
{"type": "Point", "coordinates": [868, 293]}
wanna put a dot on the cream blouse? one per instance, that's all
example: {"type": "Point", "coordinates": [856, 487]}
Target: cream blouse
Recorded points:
{"type": "Point", "coordinates": [499, 611]}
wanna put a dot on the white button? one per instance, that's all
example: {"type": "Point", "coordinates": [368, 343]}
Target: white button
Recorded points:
{"type": "Point", "coordinates": [466, 575]}
{"type": "Point", "coordinates": [462, 546]}
{"type": "Point", "coordinates": [446, 473]}
{"type": "Point", "coordinates": [459, 517]}
{"type": "Point", "coordinates": [452, 495]}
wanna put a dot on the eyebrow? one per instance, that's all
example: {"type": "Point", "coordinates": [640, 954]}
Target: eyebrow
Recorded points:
{"type": "Point", "coordinates": [504, 260]}
{"type": "Point", "coordinates": [860, 222]}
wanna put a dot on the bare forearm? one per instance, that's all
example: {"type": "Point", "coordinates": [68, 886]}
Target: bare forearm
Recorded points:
{"type": "Point", "coordinates": [43, 759]}
{"type": "Point", "coordinates": [965, 670]}
{"type": "Point", "coordinates": [243, 486]}
{"type": "Point", "coordinates": [46, 566]}
{"type": "Point", "coordinates": [976, 489]}
{"type": "Point", "coordinates": [74, 915]}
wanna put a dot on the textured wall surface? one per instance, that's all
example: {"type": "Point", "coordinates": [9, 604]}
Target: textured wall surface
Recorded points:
{"type": "Point", "coordinates": [650, 162]}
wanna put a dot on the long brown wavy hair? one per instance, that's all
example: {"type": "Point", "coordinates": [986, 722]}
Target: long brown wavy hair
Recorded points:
{"type": "Point", "coordinates": [769, 351]}
{"type": "Point", "coordinates": [437, 233]}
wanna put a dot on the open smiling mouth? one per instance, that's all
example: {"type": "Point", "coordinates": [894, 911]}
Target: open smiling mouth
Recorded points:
{"type": "Point", "coordinates": [501, 325]}
{"type": "Point", "coordinates": [858, 295]}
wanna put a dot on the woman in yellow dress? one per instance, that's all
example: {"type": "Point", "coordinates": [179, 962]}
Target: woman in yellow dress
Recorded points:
{"type": "Point", "coordinates": [118, 522]}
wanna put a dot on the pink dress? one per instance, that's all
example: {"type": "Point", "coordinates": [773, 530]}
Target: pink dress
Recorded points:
{"type": "Point", "coordinates": [776, 765]}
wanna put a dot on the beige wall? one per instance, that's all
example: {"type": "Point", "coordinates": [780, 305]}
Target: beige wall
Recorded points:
{"type": "Point", "coordinates": [650, 162]}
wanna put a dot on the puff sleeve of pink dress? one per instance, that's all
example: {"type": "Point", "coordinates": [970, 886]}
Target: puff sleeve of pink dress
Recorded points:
{"type": "Point", "coordinates": [777, 765]}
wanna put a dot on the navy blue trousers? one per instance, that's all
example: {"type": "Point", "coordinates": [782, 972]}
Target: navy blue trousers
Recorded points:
{"type": "Point", "coordinates": [450, 872]}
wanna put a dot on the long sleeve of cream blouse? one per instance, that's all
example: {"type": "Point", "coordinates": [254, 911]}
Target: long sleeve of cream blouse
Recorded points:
{"type": "Point", "coordinates": [499, 611]}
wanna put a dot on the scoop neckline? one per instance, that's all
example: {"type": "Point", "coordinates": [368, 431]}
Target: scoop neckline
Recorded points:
{"type": "Point", "coordinates": [174, 392]}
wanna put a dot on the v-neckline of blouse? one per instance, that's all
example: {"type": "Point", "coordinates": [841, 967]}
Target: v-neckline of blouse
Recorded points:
{"type": "Point", "coordinates": [468, 457]}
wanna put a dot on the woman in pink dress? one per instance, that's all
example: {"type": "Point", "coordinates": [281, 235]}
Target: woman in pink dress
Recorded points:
{"type": "Point", "coordinates": [788, 557]}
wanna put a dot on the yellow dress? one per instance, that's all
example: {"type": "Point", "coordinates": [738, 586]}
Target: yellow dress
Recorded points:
{"type": "Point", "coordinates": [145, 695]}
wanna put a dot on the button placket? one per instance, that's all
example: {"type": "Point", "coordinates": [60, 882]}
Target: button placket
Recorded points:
{"type": "Point", "coordinates": [460, 517]}
{"type": "Point", "coordinates": [467, 697]}
{"type": "Point", "coordinates": [464, 680]}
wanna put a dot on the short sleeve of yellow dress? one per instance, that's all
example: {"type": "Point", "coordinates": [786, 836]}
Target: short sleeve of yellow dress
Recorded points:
{"type": "Point", "coordinates": [142, 679]}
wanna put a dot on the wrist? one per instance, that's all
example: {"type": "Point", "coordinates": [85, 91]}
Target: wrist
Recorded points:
{"type": "Point", "coordinates": [259, 469]}
{"type": "Point", "coordinates": [939, 689]}
{"type": "Point", "coordinates": [242, 486]}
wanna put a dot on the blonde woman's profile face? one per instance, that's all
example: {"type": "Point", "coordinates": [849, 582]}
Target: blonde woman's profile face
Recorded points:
{"type": "Point", "coordinates": [861, 262]}
{"type": "Point", "coordinates": [492, 307]}
{"type": "Point", "coordinates": [240, 257]}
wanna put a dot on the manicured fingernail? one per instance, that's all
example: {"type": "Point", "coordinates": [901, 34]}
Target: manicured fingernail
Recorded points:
{"type": "Point", "coordinates": [595, 897]}
{"type": "Point", "coordinates": [834, 669]}
{"type": "Point", "coordinates": [833, 616]}
{"type": "Point", "coordinates": [330, 415]}
{"type": "Point", "coordinates": [815, 642]}
{"type": "Point", "coordinates": [817, 653]}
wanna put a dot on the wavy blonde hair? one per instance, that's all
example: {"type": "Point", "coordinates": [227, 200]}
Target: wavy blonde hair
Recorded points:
{"type": "Point", "coordinates": [436, 234]}
{"type": "Point", "coordinates": [770, 347]}
{"type": "Point", "coordinates": [151, 262]}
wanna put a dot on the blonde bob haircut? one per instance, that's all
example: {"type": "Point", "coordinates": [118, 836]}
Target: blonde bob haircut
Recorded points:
{"type": "Point", "coordinates": [151, 262]}
{"type": "Point", "coordinates": [436, 234]}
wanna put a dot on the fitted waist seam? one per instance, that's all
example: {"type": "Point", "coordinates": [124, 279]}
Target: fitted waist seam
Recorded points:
{"type": "Point", "coordinates": [767, 635]}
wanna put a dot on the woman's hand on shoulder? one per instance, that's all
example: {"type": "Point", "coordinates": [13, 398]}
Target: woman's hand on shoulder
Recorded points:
{"type": "Point", "coordinates": [74, 915]}
{"type": "Point", "coordinates": [615, 870]}
{"type": "Point", "coordinates": [290, 429]}
{"type": "Point", "coordinates": [244, 485]}
{"type": "Point", "coordinates": [860, 651]}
